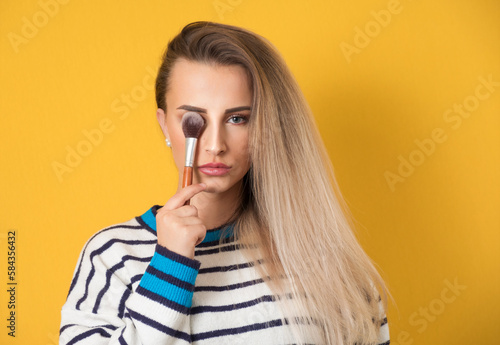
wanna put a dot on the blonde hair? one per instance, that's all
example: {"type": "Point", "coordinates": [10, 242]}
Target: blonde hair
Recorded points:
{"type": "Point", "coordinates": [292, 210]}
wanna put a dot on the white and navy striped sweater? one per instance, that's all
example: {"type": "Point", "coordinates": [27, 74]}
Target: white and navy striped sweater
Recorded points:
{"type": "Point", "coordinates": [127, 289]}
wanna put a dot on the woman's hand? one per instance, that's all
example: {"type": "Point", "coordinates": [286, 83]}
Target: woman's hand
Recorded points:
{"type": "Point", "coordinates": [178, 227]}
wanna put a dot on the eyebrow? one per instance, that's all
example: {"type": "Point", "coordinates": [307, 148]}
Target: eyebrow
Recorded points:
{"type": "Point", "coordinates": [204, 111]}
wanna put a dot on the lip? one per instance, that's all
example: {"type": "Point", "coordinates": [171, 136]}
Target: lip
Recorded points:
{"type": "Point", "coordinates": [214, 166]}
{"type": "Point", "coordinates": [214, 169]}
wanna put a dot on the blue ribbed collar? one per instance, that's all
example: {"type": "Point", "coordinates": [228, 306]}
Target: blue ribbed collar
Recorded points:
{"type": "Point", "coordinates": [149, 220]}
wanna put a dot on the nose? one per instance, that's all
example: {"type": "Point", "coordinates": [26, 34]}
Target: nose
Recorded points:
{"type": "Point", "coordinates": [213, 139]}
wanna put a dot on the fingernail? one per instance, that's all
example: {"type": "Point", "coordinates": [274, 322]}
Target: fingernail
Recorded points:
{"type": "Point", "coordinates": [203, 185]}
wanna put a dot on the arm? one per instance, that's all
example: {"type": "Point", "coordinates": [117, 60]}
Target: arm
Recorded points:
{"type": "Point", "coordinates": [101, 308]}
{"type": "Point", "coordinates": [383, 338]}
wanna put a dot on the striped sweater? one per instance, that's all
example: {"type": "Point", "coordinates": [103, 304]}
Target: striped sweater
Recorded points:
{"type": "Point", "coordinates": [127, 289]}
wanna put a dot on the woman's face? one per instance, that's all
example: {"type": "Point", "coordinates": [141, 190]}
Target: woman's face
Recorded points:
{"type": "Point", "coordinates": [222, 96]}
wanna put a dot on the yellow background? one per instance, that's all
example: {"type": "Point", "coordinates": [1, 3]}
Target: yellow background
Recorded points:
{"type": "Point", "coordinates": [438, 225]}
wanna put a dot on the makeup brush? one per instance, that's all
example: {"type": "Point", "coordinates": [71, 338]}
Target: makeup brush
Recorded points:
{"type": "Point", "coordinates": [192, 125]}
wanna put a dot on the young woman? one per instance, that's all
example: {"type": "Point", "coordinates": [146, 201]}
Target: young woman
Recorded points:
{"type": "Point", "coordinates": [264, 253]}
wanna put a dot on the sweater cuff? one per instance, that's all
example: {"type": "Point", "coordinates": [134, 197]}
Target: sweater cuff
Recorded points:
{"type": "Point", "coordinates": [170, 276]}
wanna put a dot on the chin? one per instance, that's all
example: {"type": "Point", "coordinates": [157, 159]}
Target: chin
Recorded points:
{"type": "Point", "coordinates": [210, 189]}
{"type": "Point", "coordinates": [218, 185]}
{"type": "Point", "coordinates": [214, 187]}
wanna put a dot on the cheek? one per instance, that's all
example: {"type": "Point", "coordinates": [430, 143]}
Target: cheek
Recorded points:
{"type": "Point", "coordinates": [178, 143]}
{"type": "Point", "coordinates": [243, 149]}
{"type": "Point", "coordinates": [178, 139]}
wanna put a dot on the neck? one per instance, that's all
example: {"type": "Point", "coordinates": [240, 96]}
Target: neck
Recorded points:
{"type": "Point", "coordinates": [216, 209]}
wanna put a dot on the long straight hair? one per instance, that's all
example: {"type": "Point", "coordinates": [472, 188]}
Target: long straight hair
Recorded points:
{"type": "Point", "coordinates": [291, 207]}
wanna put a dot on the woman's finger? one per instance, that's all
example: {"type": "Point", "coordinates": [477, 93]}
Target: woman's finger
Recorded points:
{"type": "Point", "coordinates": [184, 195]}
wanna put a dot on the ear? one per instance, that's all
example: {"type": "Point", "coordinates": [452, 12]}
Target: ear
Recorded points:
{"type": "Point", "coordinates": [162, 120]}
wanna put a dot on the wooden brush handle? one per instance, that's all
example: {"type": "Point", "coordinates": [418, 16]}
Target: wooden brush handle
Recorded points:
{"type": "Point", "coordinates": [187, 178]}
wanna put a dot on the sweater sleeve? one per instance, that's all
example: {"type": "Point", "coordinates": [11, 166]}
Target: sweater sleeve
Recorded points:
{"type": "Point", "coordinates": [102, 308]}
{"type": "Point", "coordinates": [383, 337]}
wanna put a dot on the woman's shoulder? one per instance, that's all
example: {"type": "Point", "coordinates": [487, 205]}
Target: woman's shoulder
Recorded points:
{"type": "Point", "coordinates": [136, 232]}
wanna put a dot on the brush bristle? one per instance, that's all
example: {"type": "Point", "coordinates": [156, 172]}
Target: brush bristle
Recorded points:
{"type": "Point", "coordinates": [192, 124]}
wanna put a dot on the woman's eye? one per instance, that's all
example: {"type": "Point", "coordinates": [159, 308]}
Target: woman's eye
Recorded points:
{"type": "Point", "coordinates": [237, 119]}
